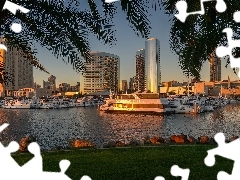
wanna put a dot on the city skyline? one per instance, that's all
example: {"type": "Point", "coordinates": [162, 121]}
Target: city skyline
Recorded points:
{"type": "Point", "coordinates": [126, 46]}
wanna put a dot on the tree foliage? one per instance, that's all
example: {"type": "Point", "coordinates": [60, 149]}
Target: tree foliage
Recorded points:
{"type": "Point", "coordinates": [63, 27]}
{"type": "Point", "coordinates": [195, 40]}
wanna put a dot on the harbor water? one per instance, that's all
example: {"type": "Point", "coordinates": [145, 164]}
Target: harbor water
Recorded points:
{"type": "Point", "coordinates": [55, 127]}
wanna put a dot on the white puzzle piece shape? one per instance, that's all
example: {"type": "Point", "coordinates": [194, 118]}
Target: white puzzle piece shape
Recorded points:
{"type": "Point", "coordinates": [181, 6]}
{"type": "Point", "coordinates": [222, 51]}
{"type": "Point", "coordinates": [12, 7]}
{"type": "Point", "coordinates": [226, 150]}
{"type": "Point", "coordinates": [33, 169]}
{"type": "Point", "coordinates": [177, 171]}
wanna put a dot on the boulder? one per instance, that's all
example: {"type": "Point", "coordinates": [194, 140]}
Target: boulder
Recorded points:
{"type": "Point", "coordinates": [179, 138]}
{"type": "Point", "coordinates": [192, 140]}
{"type": "Point", "coordinates": [157, 140]}
{"type": "Point", "coordinates": [24, 142]}
{"type": "Point", "coordinates": [146, 140]}
{"type": "Point", "coordinates": [110, 144]}
{"type": "Point", "coordinates": [135, 143]}
{"type": "Point", "coordinates": [172, 138]}
{"type": "Point", "coordinates": [120, 144]}
{"type": "Point", "coordinates": [80, 143]}
{"type": "Point", "coordinates": [203, 139]}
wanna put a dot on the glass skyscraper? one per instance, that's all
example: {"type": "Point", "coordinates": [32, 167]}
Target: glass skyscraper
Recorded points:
{"type": "Point", "coordinates": [152, 65]}
{"type": "Point", "coordinates": [215, 68]}
{"type": "Point", "coordinates": [140, 70]}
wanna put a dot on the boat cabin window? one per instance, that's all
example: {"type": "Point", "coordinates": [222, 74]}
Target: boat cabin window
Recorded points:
{"type": "Point", "coordinates": [148, 96]}
{"type": "Point", "coordinates": [125, 96]}
{"type": "Point", "coordinates": [135, 106]}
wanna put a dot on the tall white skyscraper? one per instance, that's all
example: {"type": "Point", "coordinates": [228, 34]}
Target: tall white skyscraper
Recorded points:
{"type": "Point", "coordinates": [152, 65]}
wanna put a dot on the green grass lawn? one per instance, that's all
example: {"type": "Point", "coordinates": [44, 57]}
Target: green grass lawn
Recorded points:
{"type": "Point", "coordinates": [133, 163]}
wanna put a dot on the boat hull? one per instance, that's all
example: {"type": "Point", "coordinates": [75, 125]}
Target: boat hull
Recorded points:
{"type": "Point", "coordinates": [16, 107]}
{"type": "Point", "coordinates": [137, 112]}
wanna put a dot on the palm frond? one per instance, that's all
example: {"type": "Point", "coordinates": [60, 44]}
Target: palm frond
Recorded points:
{"type": "Point", "coordinates": [195, 40]}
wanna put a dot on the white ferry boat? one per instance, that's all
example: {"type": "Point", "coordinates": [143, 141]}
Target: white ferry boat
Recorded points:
{"type": "Point", "coordinates": [144, 103]}
{"type": "Point", "coordinates": [16, 104]}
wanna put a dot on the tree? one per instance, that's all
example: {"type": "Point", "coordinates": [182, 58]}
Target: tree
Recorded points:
{"type": "Point", "coordinates": [63, 28]}
{"type": "Point", "coordinates": [195, 40]}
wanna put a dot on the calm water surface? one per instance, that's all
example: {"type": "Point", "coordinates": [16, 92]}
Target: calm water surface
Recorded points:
{"type": "Point", "coordinates": [55, 127]}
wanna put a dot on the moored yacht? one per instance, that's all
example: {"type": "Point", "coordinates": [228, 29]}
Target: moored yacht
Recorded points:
{"type": "Point", "coordinates": [144, 103]}
{"type": "Point", "coordinates": [184, 106]}
{"type": "Point", "coordinates": [16, 104]}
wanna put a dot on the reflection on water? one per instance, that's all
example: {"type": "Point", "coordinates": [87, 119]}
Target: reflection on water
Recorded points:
{"type": "Point", "coordinates": [54, 128]}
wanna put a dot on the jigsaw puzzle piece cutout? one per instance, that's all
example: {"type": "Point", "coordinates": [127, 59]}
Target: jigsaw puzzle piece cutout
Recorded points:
{"type": "Point", "coordinates": [63, 164]}
{"type": "Point", "coordinates": [159, 178]}
{"type": "Point", "coordinates": [224, 51]}
{"type": "Point", "coordinates": [236, 16]}
{"type": "Point", "coordinates": [177, 171]}
{"type": "Point", "coordinates": [88, 178]}
{"type": "Point", "coordinates": [12, 7]}
{"type": "Point", "coordinates": [35, 164]}
{"type": "Point", "coordinates": [3, 126]}
{"type": "Point", "coordinates": [7, 163]}
{"type": "Point", "coordinates": [181, 7]}
{"type": "Point", "coordinates": [226, 150]}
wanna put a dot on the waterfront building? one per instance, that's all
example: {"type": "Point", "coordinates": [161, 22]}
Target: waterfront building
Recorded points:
{"type": "Point", "coordinates": [124, 86]}
{"type": "Point", "coordinates": [37, 85]}
{"type": "Point", "coordinates": [140, 70]}
{"type": "Point", "coordinates": [50, 83]}
{"type": "Point", "coordinates": [131, 84]}
{"type": "Point", "coordinates": [103, 72]}
{"type": "Point", "coordinates": [152, 65]}
{"type": "Point", "coordinates": [63, 87]}
{"type": "Point", "coordinates": [215, 68]}
{"type": "Point", "coordinates": [18, 69]}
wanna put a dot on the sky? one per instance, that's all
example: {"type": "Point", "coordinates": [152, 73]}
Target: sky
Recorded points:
{"type": "Point", "coordinates": [126, 47]}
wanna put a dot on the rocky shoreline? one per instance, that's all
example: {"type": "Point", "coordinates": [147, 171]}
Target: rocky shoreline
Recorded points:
{"type": "Point", "coordinates": [180, 139]}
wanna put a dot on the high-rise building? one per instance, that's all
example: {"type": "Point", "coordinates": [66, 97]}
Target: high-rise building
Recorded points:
{"type": "Point", "coordinates": [124, 86]}
{"type": "Point", "coordinates": [152, 65]}
{"type": "Point", "coordinates": [103, 72]}
{"type": "Point", "coordinates": [140, 70]}
{"type": "Point", "coordinates": [215, 68]}
{"type": "Point", "coordinates": [131, 84]}
{"type": "Point", "coordinates": [50, 84]}
{"type": "Point", "coordinates": [17, 68]}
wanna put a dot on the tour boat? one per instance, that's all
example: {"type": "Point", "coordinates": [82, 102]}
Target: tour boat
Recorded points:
{"type": "Point", "coordinates": [182, 106]}
{"type": "Point", "coordinates": [16, 104]}
{"type": "Point", "coordinates": [143, 103]}
{"type": "Point", "coordinates": [84, 102]}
